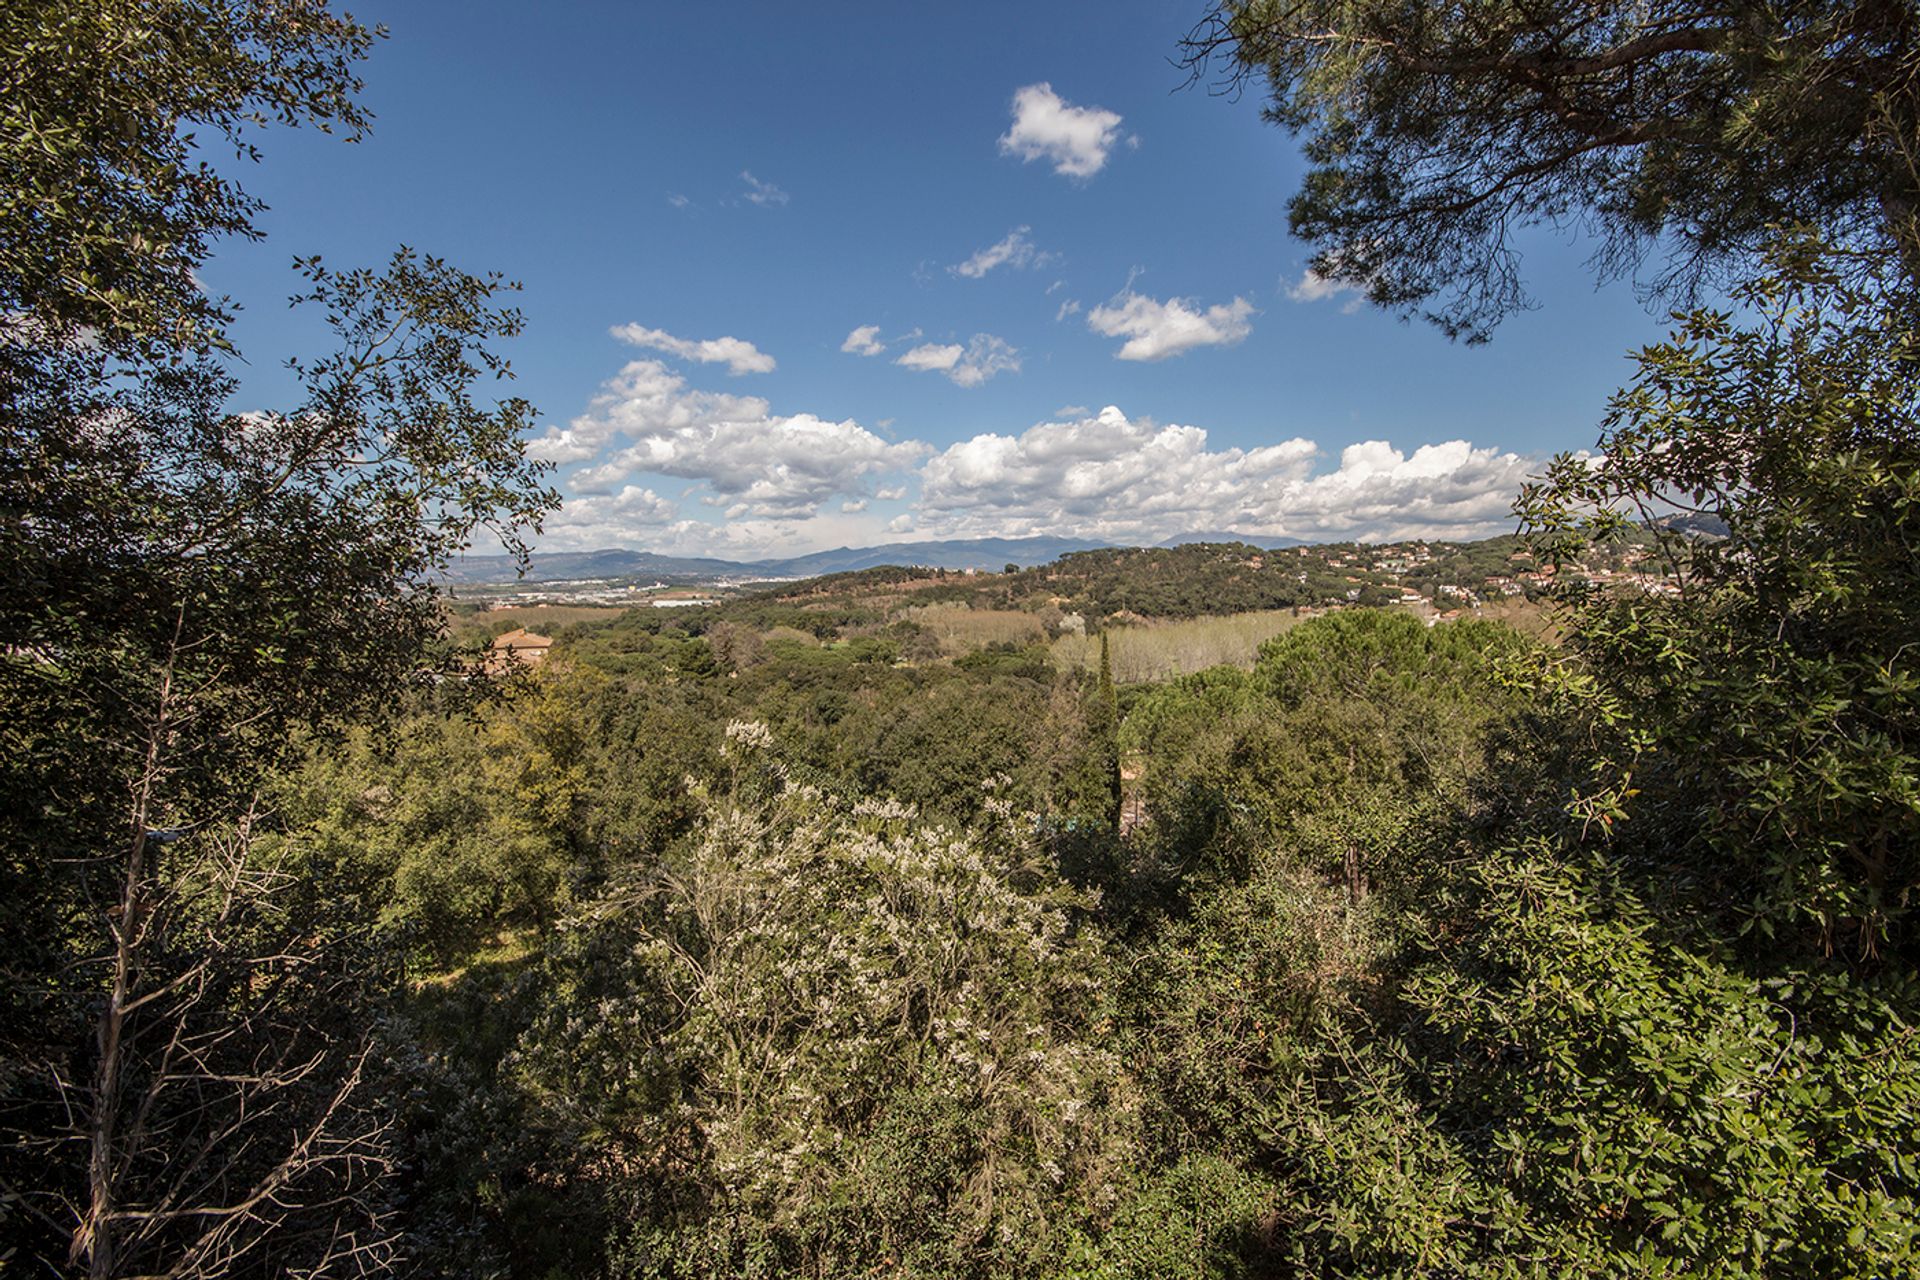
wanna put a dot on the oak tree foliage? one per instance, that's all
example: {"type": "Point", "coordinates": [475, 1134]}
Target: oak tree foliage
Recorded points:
{"type": "Point", "coordinates": [108, 108]}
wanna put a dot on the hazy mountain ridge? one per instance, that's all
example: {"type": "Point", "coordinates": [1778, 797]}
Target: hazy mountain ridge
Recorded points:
{"type": "Point", "coordinates": [970, 553]}
{"type": "Point", "coordinates": [1266, 542]}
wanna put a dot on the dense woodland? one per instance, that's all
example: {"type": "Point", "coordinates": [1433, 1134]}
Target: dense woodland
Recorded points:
{"type": "Point", "coordinates": [859, 928]}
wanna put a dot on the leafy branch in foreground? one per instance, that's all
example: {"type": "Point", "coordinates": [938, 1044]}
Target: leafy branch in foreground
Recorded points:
{"type": "Point", "coordinates": [107, 203]}
{"type": "Point", "coordinates": [1438, 132]}
{"type": "Point", "coordinates": [1773, 706]}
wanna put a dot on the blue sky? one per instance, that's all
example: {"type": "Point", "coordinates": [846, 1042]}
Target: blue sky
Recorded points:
{"type": "Point", "coordinates": [804, 276]}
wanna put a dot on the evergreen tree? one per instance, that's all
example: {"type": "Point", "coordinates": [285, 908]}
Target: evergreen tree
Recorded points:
{"type": "Point", "coordinates": [1103, 732]}
{"type": "Point", "coordinates": [1435, 132]}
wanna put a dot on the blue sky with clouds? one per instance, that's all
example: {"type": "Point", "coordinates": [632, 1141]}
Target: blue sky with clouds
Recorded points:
{"type": "Point", "coordinates": [804, 276]}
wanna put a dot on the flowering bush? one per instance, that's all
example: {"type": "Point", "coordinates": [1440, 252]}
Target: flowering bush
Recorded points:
{"type": "Point", "coordinates": [829, 1035]}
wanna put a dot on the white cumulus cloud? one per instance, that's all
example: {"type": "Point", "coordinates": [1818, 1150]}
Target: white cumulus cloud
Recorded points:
{"type": "Point", "coordinates": [967, 366]}
{"type": "Point", "coordinates": [768, 465]}
{"type": "Point", "coordinates": [933, 356]}
{"type": "Point", "coordinates": [1314, 287]}
{"type": "Point", "coordinates": [1156, 330]}
{"type": "Point", "coordinates": [1103, 475]}
{"type": "Point", "coordinates": [631, 503]}
{"type": "Point", "coordinates": [644, 398]}
{"type": "Point", "coordinates": [864, 341]}
{"type": "Point", "coordinates": [1445, 490]}
{"type": "Point", "coordinates": [1075, 140]}
{"type": "Point", "coordinates": [1129, 480]}
{"type": "Point", "coordinates": [739, 355]}
{"type": "Point", "coordinates": [1015, 250]}
{"type": "Point", "coordinates": [632, 517]}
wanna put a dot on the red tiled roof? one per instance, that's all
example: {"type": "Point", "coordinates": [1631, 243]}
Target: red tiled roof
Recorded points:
{"type": "Point", "coordinates": [521, 638]}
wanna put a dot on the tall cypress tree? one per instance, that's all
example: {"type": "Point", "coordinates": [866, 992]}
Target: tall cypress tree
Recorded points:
{"type": "Point", "coordinates": [1103, 728]}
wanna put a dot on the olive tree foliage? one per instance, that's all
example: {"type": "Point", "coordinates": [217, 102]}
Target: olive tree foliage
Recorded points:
{"type": "Point", "coordinates": [1437, 132]}
{"type": "Point", "coordinates": [1762, 726]}
{"type": "Point", "coordinates": [187, 586]}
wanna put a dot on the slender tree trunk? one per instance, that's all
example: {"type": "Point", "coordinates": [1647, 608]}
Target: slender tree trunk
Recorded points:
{"type": "Point", "coordinates": [93, 1238]}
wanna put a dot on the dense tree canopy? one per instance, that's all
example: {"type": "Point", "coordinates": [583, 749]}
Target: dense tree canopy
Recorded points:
{"type": "Point", "coordinates": [1766, 711]}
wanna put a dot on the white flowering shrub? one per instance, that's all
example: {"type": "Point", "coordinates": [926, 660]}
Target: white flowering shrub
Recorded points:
{"type": "Point", "coordinates": [748, 735]}
{"type": "Point", "coordinates": [830, 1037]}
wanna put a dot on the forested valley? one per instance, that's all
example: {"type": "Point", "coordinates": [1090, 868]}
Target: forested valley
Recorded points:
{"type": "Point", "coordinates": [912, 924]}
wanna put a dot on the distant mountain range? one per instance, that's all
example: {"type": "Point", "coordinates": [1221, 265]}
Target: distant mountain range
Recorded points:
{"type": "Point", "coordinates": [1699, 524]}
{"type": "Point", "coordinates": [974, 553]}
{"type": "Point", "coordinates": [1263, 541]}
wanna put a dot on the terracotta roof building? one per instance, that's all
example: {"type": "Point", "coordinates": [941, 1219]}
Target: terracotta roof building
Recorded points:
{"type": "Point", "coordinates": [518, 645]}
